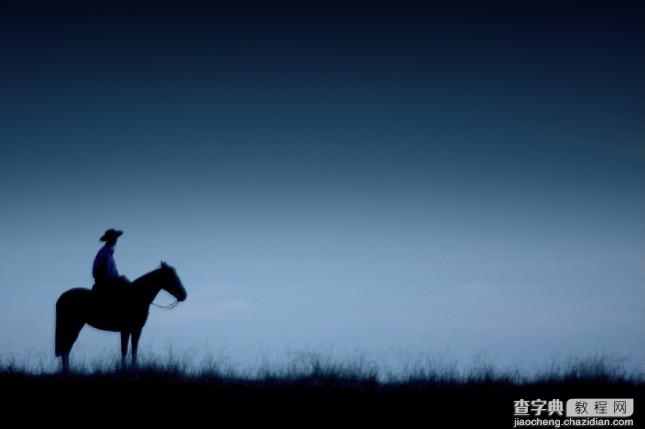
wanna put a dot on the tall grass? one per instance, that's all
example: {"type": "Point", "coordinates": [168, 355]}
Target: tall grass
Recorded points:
{"type": "Point", "coordinates": [316, 368]}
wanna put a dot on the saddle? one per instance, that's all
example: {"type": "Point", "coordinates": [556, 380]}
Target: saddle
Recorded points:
{"type": "Point", "coordinates": [110, 290]}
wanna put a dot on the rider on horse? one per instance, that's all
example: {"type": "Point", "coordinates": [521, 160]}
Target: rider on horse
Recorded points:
{"type": "Point", "coordinates": [106, 276]}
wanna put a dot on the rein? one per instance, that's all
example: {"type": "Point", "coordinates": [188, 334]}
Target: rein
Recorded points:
{"type": "Point", "coordinates": [167, 307]}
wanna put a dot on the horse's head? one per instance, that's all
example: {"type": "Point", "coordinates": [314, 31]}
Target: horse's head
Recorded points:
{"type": "Point", "coordinates": [171, 282]}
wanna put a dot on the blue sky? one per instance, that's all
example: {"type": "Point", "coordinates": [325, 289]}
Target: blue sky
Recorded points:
{"type": "Point", "coordinates": [459, 179]}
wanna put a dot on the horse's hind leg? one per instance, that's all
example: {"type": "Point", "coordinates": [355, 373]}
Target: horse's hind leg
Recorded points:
{"type": "Point", "coordinates": [66, 335]}
{"type": "Point", "coordinates": [125, 336]}
{"type": "Point", "coordinates": [136, 333]}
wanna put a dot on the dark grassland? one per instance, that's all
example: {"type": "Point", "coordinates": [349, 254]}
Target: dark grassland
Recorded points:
{"type": "Point", "coordinates": [317, 394]}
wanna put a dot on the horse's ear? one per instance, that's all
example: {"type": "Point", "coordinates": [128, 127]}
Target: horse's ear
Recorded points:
{"type": "Point", "coordinates": [163, 264]}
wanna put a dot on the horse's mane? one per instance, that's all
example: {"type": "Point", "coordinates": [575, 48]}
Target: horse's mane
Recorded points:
{"type": "Point", "coordinates": [148, 276]}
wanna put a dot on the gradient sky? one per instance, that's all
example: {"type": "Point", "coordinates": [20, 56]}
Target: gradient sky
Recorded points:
{"type": "Point", "coordinates": [362, 177]}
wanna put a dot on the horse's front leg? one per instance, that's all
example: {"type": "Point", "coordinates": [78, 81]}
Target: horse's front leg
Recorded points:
{"type": "Point", "coordinates": [125, 336]}
{"type": "Point", "coordinates": [65, 361]}
{"type": "Point", "coordinates": [136, 334]}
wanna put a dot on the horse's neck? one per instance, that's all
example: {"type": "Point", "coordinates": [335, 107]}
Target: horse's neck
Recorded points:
{"type": "Point", "coordinates": [148, 286]}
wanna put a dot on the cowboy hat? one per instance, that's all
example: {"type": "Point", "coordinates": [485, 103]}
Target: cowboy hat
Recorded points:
{"type": "Point", "coordinates": [111, 234]}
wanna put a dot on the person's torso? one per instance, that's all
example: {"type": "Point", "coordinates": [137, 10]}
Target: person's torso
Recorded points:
{"type": "Point", "coordinates": [104, 267]}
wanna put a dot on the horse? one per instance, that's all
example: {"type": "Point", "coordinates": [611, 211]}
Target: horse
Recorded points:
{"type": "Point", "coordinates": [124, 310]}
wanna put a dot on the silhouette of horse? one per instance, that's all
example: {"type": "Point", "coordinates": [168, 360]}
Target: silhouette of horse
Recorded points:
{"type": "Point", "coordinates": [122, 310]}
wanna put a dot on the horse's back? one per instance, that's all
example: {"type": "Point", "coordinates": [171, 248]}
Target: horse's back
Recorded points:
{"type": "Point", "coordinates": [73, 295]}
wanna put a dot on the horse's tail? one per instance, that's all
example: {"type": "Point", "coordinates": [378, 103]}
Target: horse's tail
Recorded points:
{"type": "Point", "coordinates": [59, 334]}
